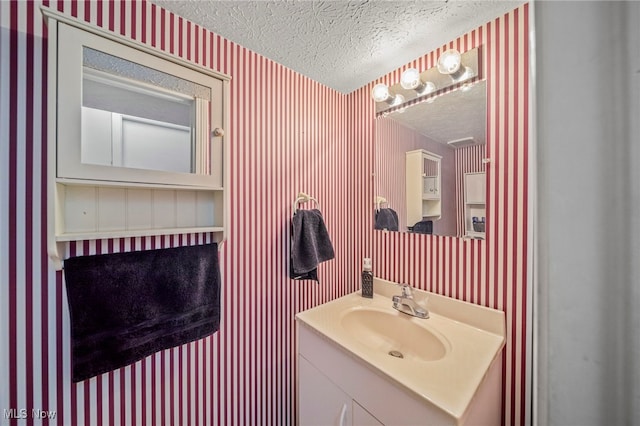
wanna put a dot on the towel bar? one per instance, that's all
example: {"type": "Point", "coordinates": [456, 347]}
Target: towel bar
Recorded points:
{"type": "Point", "coordinates": [303, 198]}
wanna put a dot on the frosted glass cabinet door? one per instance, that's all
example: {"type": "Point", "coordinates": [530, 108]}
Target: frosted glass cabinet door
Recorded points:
{"type": "Point", "coordinates": [321, 402]}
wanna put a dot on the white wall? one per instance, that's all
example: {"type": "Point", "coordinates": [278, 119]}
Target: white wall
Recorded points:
{"type": "Point", "coordinates": [587, 148]}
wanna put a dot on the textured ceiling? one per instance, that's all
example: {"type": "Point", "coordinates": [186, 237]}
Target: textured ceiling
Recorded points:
{"type": "Point", "coordinates": [342, 44]}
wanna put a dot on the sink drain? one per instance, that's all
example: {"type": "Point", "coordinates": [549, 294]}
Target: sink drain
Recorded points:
{"type": "Point", "coordinates": [396, 354]}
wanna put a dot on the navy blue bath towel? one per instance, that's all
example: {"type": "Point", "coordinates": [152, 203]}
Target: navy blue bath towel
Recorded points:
{"type": "Point", "coordinates": [310, 244]}
{"type": "Point", "coordinates": [386, 219]}
{"type": "Point", "coordinates": [126, 306]}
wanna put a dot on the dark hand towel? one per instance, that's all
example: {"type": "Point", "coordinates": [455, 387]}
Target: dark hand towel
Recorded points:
{"type": "Point", "coordinates": [126, 306]}
{"type": "Point", "coordinates": [310, 244]}
{"type": "Point", "coordinates": [386, 219]}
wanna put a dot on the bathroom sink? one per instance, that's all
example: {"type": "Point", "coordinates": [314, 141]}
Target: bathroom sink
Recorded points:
{"type": "Point", "coordinates": [442, 361]}
{"type": "Point", "coordinates": [393, 333]}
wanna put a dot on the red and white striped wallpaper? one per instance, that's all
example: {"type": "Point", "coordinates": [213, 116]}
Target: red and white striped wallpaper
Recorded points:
{"type": "Point", "coordinates": [288, 134]}
{"type": "Point", "coordinates": [491, 272]}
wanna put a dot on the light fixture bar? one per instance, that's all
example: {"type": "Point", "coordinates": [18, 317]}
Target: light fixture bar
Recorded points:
{"type": "Point", "coordinates": [430, 82]}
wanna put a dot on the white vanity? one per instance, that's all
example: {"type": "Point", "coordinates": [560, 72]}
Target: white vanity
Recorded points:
{"type": "Point", "coordinates": [361, 362]}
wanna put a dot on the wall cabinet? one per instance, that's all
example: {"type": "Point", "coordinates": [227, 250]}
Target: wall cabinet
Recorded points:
{"type": "Point", "coordinates": [423, 186]}
{"type": "Point", "coordinates": [136, 139]}
{"type": "Point", "coordinates": [475, 204]}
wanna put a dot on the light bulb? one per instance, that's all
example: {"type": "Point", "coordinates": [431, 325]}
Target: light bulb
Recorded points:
{"type": "Point", "coordinates": [429, 87]}
{"type": "Point", "coordinates": [410, 79]}
{"type": "Point", "coordinates": [398, 100]}
{"type": "Point", "coordinates": [380, 92]}
{"type": "Point", "coordinates": [449, 62]}
{"type": "Point", "coordinates": [466, 74]}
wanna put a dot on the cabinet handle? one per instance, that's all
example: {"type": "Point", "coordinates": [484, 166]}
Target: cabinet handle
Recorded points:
{"type": "Point", "coordinates": [343, 415]}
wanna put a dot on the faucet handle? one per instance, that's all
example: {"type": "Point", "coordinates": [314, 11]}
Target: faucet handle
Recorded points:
{"type": "Point", "coordinates": [406, 291]}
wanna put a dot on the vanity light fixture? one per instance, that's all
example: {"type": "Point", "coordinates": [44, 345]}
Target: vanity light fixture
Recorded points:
{"type": "Point", "coordinates": [411, 80]}
{"type": "Point", "coordinates": [453, 70]}
{"type": "Point", "coordinates": [380, 93]}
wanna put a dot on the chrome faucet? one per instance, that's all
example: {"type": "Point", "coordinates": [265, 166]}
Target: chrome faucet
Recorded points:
{"type": "Point", "coordinates": [406, 304]}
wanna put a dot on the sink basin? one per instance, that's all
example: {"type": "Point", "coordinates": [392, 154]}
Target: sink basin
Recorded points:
{"type": "Point", "coordinates": [393, 333]}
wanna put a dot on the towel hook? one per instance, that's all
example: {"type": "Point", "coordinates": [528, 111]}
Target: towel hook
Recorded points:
{"type": "Point", "coordinates": [303, 198]}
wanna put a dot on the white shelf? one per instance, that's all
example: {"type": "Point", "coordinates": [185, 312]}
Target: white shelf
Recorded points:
{"type": "Point", "coordinates": [123, 184]}
{"type": "Point", "coordinates": [87, 211]}
{"type": "Point", "coordinates": [78, 236]}
{"type": "Point", "coordinates": [474, 234]}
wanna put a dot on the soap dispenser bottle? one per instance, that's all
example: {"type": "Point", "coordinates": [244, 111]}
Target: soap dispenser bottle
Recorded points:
{"type": "Point", "coordinates": [367, 279]}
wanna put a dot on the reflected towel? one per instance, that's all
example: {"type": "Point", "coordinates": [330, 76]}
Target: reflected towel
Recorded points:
{"type": "Point", "coordinates": [126, 306]}
{"type": "Point", "coordinates": [386, 219]}
{"type": "Point", "coordinates": [310, 244]}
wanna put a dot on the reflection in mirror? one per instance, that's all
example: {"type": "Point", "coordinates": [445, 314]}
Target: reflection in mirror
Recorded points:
{"type": "Point", "coordinates": [450, 126]}
{"type": "Point", "coordinates": [136, 117]}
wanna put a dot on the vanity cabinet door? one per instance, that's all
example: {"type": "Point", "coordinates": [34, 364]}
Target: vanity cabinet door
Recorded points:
{"type": "Point", "coordinates": [320, 401]}
{"type": "Point", "coordinates": [362, 417]}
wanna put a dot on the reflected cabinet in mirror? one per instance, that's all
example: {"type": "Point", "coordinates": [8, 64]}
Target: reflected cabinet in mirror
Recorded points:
{"type": "Point", "coordinates": [429, 167]}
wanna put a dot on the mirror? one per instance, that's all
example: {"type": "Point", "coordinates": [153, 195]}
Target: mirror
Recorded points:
{"type": "Point", "coordinates": [136, 117]}
{"type": "Point", "coordinates": [451, 126]}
